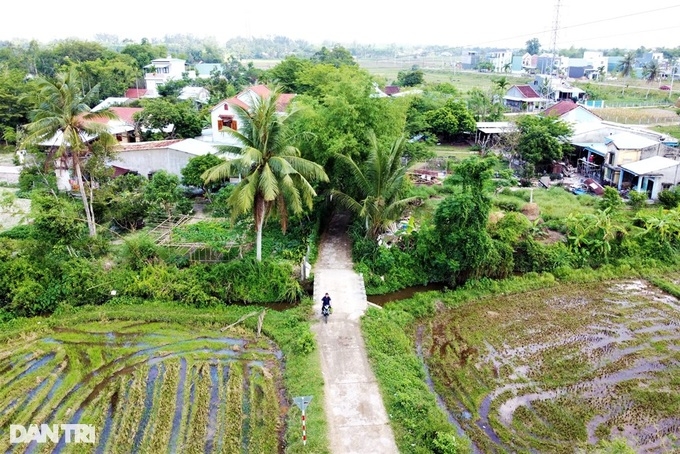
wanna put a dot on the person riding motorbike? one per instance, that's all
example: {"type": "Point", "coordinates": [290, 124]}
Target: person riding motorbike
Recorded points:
{"type": "Point", "coordinates": [326, 308]}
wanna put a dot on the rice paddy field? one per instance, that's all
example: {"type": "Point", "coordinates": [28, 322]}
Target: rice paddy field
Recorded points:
{"type": "Point", "coordinates": [146, 386]}
{"type": "Point", "coordinates": [558, 370]}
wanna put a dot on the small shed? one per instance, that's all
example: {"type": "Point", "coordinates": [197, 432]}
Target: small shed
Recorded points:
{"type": "Point", "coordinates": [650, 175]}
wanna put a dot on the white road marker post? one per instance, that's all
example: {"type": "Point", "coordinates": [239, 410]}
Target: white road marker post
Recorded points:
{"type": "Point", "coordinates": [302, 403]}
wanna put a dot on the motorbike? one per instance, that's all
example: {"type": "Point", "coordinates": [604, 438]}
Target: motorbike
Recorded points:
{"type": "Point", "coordinates": [325, 312]}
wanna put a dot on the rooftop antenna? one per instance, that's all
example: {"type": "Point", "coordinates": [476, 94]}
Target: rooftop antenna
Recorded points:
{"type": "Point", "coordinates": [556, 27]}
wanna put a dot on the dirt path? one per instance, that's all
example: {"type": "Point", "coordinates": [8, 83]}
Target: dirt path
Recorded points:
{"type": "Point", "coordinates": [356, 415]}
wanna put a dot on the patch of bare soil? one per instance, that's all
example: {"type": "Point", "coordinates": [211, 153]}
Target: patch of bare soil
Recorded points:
{"type": "Point", "coordinates": [15, 213]}
{"type": "Point", "coordinates": [552, 236]}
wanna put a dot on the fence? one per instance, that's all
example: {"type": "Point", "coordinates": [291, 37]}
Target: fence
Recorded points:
{"type": "Point", "coordinates": [600, 104]}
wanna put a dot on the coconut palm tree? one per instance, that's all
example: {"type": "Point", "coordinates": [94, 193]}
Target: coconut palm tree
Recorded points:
{"type": "Point", "coordinates": [380, 184]}
{"type": "Point", "coordinates": [651, 71]}
{"type": "Point", "coordinates": [61, 109]}
{"type": "Point", "coordinates": [627, 64]}
{"type": "Point", "coordinates": [274, 174]}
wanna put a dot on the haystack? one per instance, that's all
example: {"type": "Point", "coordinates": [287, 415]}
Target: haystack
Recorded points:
{"type": "Point", "coordinates": [531, 211]}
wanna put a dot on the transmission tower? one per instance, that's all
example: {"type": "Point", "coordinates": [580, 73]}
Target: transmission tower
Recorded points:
{"type": "Point", "coordinates": [556, 27]}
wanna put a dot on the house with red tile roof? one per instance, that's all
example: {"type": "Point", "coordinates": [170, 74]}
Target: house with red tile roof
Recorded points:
{"type": "Point", "coordinates": [135, 93]}
{"type": "Point", "coordinates": [224, 116]}
{"type": "Point", "coordinates": [572, 113]}
{"type": "Point", "coordinates": [523, 98]}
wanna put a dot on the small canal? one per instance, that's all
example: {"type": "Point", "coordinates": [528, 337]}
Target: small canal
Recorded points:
{"type": "Point", "coordinates": [406, 293]}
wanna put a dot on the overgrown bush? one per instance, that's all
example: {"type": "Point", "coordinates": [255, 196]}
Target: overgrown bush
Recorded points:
{"type": "Point", "coordinates": [637, 200]}
{"type": "Point", "coordinates": [669, 198]}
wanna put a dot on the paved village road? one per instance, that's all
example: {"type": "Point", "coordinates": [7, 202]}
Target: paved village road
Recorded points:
{"type": "Point", "coordinates": [357, 419]}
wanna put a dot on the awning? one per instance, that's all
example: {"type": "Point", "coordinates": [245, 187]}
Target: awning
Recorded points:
{"type": "Point", "coordinates": [649, 166]}
{"type": "Point", "coordinates": [599, 149]}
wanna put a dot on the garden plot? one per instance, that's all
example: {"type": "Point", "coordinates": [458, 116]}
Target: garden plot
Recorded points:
{"type": "Point", "coordinates": [562, 368]}
{"type": "Point", "coordinates": [146, 387]}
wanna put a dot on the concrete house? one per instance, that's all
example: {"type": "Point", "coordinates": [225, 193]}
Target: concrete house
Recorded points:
{"type": "Point", "coordinates": [224, 116]}
{"type": "Point", "coordinates": [500, 59]}
{"type": "Point", "coordinates": [524, 98]}
{"type": "Point", "coordinates": [572, 113]}
{"type": "Point", "coordinates": [146, 158]}
{"type": "Point", "coordinates": [160, 71]}
{"type": "Point", "coordinates": [623, 149]}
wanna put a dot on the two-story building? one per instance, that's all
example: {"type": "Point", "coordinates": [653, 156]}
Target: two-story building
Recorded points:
{"type": "Point", "coordinates": [160, 71]}
{"type": "Point", "coordinates": [500, 59]}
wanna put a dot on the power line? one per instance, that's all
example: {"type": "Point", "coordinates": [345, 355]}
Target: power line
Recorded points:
{"type": "Point", "coordinates": [598, 21]}
{"type": "Point", "coordinates": [626, 33]}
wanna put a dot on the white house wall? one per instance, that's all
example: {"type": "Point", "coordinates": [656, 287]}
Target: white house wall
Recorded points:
{"type": "Point", "coordinates": [218, 136]}
{"type": "Point", "coordinates": [150, 161]}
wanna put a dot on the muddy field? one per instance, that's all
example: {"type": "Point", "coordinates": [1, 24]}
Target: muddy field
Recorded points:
{"type": "Point", "coordinates": [146, 388]}
{"type": "Point", "coordinates": [558, 370]}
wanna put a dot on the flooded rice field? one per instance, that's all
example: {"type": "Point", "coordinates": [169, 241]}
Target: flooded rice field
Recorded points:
{"type": "Point", "coordinates": [145, 388]}
{"type": "Point", "coordinates": [560, 369]}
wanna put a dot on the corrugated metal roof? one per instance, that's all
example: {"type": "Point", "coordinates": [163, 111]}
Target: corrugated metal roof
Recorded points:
{"type": "Point", "coordinates": [629, 141]}
{"type": "Point", "coordinates": [650, 166]}
{"type": "Point", "coordinates": [194, 147]}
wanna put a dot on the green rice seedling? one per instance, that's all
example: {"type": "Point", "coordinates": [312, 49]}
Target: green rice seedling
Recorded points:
{"type": "Point", "coordinates": [198, 425]}
{"type": "Point", "coordinates": [264, 412]}
{"type": "Point", "coordinates": [234, 417]}
{"type": "Point", "coordinates": [130, 417]}
{"type": "Point", "coordinates": [164, 409]}
{"type": "Point", "coordinates": [187, 405]}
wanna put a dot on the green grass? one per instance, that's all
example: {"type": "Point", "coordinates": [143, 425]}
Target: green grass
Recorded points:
{"type": "Point", "coordinates": [671, 130]}
{"type": "Point", "coordinates": [126, 343]}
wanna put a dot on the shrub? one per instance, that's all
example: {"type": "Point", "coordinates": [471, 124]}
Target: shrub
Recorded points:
{"type": "Point", "coordinates": [637, 199]}
{"type": "Point", "coordinates": [610, 199]}
{"type": "Point", "coordinates": [669, 198]}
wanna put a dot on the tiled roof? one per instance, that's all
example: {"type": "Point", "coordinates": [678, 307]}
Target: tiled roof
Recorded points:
{"type": "Point", "coordinates": [238, 102]}
{"type": "Point", "coordinates": [527, 91]}
{"type": "Point", "coordinates": [560, 108]}
{"type": "Point", "coordinates": [135, 92]}
{"type": "Point", "coordinates": [126, 113]}
{"type": "Point", "coordinates": [391, 89]}
{"type": "Point", "coordinates": [260, 90]}
{"type": "Point", "coordinates": [284, 101]}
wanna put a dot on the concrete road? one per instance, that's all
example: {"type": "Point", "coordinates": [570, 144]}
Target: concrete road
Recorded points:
{"type": "Point", "coordinates": [357, 420]}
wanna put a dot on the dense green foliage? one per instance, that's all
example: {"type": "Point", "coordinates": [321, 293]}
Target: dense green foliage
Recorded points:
{"type": "Point", "coordinates": [543, 139]}
{"type": "Point", "coordinates": [377, 187]}
{"type": "Point", "coordinates": [179, 119]}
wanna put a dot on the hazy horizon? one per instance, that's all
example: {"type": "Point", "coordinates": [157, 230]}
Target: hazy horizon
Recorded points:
{"type": "Point", "coordinates": [485, 23]}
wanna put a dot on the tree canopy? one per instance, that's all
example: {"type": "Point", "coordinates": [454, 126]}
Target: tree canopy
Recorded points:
{"type": "Point", "coordinates": [543, 139]}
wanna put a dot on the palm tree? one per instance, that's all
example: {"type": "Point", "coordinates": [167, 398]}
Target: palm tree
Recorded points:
{"type": "Point", "coordinates": [275, 174]}
{"type": "Point", "coordinates": [61, 109]}
{"type": "Point", "coordinates": [501, 83]}
{"type": "Point", "coordinates": [627, 64]}
{"type": "Point", "coordinates": [380, 185]}
{"type": "Point", "coordinates": [651, 71]}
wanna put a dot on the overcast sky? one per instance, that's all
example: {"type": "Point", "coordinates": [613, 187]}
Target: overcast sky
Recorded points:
{"type": "Point", "coordinates": [488, 23]}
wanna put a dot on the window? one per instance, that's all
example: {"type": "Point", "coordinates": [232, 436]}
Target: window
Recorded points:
{"type": "Point", "coordinates": [226, 122]}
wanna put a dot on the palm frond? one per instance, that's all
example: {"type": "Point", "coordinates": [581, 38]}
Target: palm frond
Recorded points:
{"type": "Point", "coordinates": [268, 185]}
